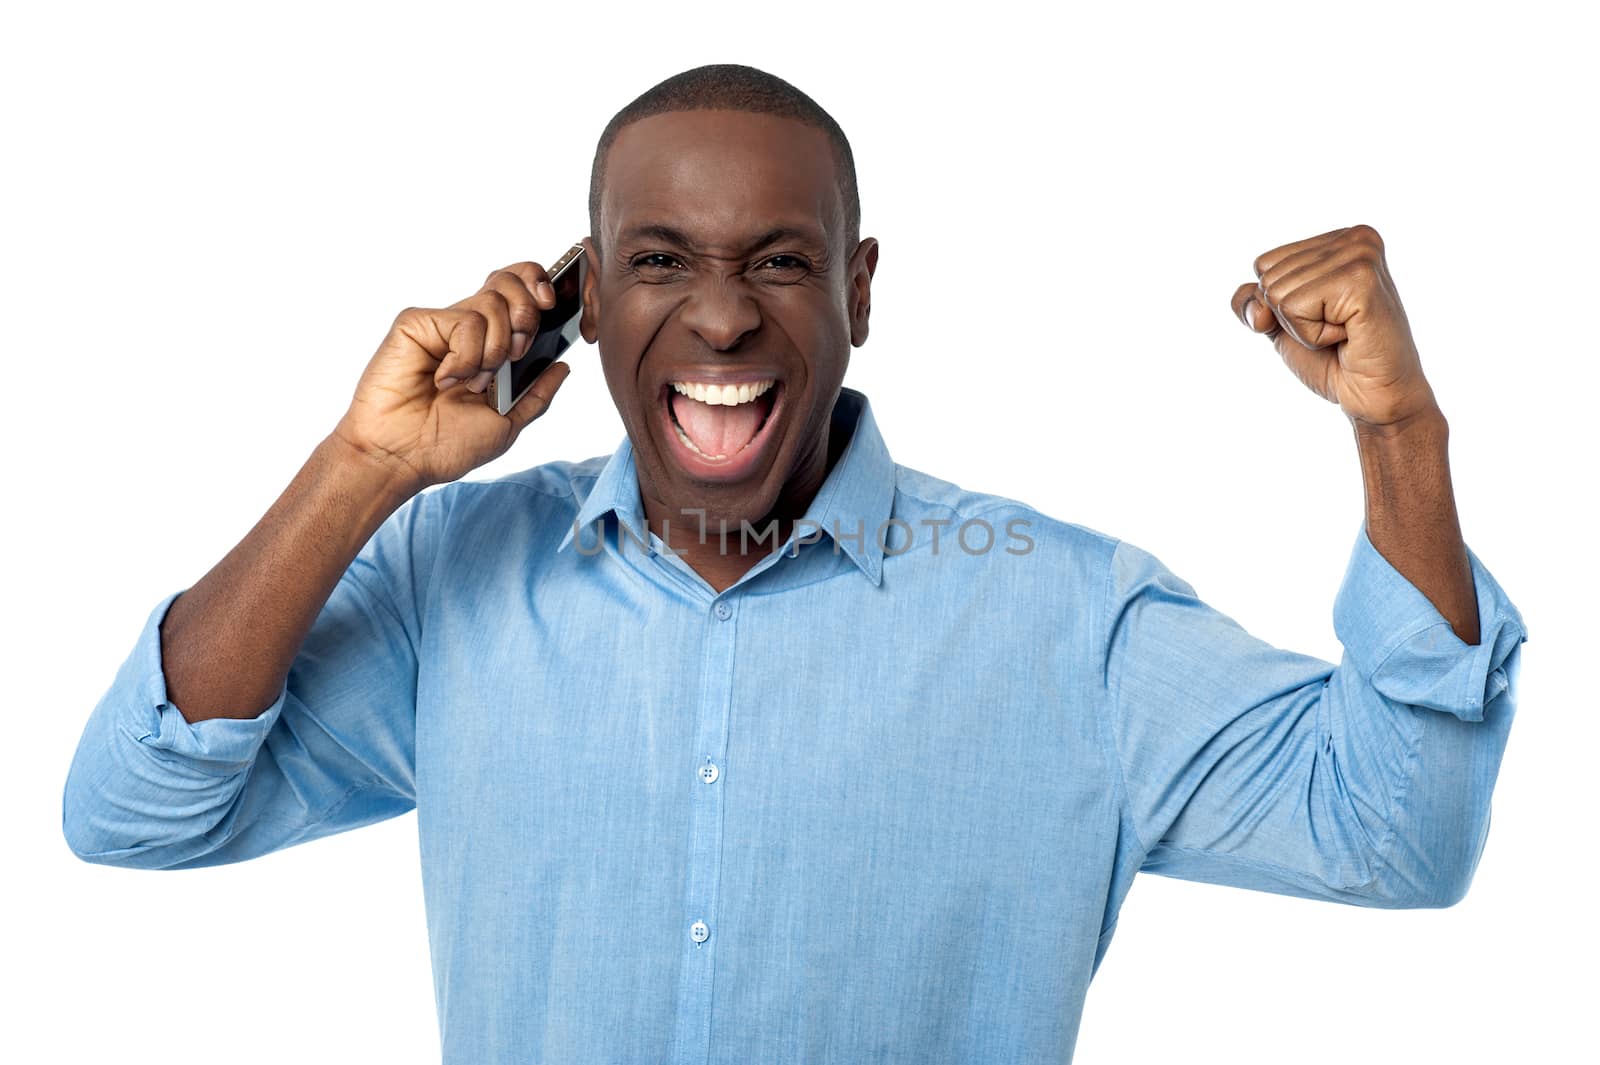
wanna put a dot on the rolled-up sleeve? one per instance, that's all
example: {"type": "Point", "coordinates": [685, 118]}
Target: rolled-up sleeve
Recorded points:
{"type": "Point", "coordinates": [1243, 764]}
{"type": "Point", "coordinates": [333, 751]}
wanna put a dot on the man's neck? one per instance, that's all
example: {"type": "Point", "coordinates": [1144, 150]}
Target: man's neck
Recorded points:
{"type": "Point", "coordinates": [722, 550]}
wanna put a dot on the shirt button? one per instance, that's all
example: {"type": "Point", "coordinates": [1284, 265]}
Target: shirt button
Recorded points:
{"type": "Point", "coordinates": [699, 932]}
{"type": "Point", "coordinates": [708, 772]}
{"type": "Point", "coordinates": [723, 611]}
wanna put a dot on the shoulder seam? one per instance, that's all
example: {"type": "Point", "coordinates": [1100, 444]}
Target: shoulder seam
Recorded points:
{"type": "Point", "coordinates": [1000, 504]}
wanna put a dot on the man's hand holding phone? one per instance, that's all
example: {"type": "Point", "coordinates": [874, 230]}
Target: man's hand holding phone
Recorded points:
{"type": "Point", "coordinates": [420, 416]}
{"type": "Point", "coordinates": [419, 407]}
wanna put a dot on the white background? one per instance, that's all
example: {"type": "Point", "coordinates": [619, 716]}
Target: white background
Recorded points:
{"type": "Point", "coordinates": [212, 214]}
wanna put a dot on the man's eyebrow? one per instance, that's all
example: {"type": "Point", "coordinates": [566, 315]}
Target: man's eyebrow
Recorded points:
{"type": "Point", "coordinates": [668, 235]}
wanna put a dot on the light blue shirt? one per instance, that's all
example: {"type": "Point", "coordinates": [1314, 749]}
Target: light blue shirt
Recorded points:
{"type": "Point", "coordinates": [880, 801]}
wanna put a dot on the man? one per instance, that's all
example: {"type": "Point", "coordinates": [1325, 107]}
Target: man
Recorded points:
{"type": "Point", "coordinates": [746, 743]}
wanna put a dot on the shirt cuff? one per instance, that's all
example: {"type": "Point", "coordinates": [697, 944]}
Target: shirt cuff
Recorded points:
{"type": "Point", "coordinates": [222, 746]}
{"type": "Point", "coordinates": [1406, 649]}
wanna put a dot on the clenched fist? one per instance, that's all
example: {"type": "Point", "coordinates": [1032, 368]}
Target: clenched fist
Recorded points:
{"type": "Point", "coordinates": [1331, 309]}
{"type": "Point", "coordinates": [419, 406]}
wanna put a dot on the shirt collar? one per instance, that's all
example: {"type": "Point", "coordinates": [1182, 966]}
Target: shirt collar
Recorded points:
{"type": "Point", "coordinates": [852, 506]}
{"type": "Point", "coordinates": [615, 491]}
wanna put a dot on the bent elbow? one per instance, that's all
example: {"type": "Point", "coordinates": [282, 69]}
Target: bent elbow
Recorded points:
{"type": "Point", "coordinates": [1437, 883]}
{"type": "Point", "coordinates": [95, 833]}
{"type": "Point", "coordinates": [83, 838]}
{"type": "Point", "coordinates": [1438, 895]}
{"type": "Point", "coordinates": [87, 837]}
{"type": "Point", "coordinates": [1451, 889]}
{"type": "Point", "coordinates": [1430, 863]}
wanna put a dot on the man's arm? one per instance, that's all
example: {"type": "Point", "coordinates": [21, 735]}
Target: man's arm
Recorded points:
{"type": "Point", "coordinates": [1368, 782]}
{"type": "Point", "coordinates": [1411, 513]}
{"type": "Point", "coordinates": [1332, 311]}
{"type": "Point", "coordinates": [228, 642]}
{"type": "Point", "coordinates": [275, 701]}
{"type": "Point", "coordinates": [279, 706]}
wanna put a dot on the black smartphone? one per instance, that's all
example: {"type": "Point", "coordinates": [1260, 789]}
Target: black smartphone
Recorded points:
{"type": "Point", "coordinates": [558, 331]}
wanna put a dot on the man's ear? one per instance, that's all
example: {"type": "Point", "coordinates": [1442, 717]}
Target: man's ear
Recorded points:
{"type": "Point", "coordinates": [858, 276]}
{"type": "Point", "coordinates": [589, 317]}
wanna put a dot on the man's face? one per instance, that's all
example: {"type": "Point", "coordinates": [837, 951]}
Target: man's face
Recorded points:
{"type": "Point", "coordinates": [724, 265]}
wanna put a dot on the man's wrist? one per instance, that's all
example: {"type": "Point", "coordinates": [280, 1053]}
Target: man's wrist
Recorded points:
{"type": "Point", "coordinates": [1426, 423]}
{"type": "Point", "coordinates": [367, 476]}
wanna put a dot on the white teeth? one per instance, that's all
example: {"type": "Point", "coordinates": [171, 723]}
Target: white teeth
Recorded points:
{"type": "Point", "coordinates": [717, 395]}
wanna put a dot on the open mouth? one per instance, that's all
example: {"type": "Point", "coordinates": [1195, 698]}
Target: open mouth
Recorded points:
{"type": "Point", "coordinates": [721, 429]}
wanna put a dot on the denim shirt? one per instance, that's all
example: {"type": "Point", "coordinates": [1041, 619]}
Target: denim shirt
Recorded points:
{"type": "Point", "coordinates": [880, 800]}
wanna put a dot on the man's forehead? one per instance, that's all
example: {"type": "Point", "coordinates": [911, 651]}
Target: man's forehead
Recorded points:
{"type": "Point", "coordinates": [720, 177]}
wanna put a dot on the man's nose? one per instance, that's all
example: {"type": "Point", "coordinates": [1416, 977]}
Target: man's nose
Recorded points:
{"type": "Point", "coordinates": [722, 311]}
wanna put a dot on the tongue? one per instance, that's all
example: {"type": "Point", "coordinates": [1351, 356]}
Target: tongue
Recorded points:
{"type": "Point", "coordinates": [717, 430]}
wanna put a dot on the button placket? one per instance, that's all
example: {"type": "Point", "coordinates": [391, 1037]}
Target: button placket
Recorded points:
{"type": "Point", "coordinates": [711, 709]}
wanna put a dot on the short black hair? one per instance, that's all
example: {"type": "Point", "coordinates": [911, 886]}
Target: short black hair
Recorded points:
{"type": "Point", "coordinates": [732, 87]}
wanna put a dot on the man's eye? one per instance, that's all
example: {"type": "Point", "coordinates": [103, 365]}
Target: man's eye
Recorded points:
{"type": "Point", "coordinates": [786, 263]}
{"type": "Point", "coordinates": [658, 260]}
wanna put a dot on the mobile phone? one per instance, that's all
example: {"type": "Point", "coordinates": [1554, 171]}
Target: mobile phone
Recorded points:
{"type": "Point", "coordinates": [558, 331]}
